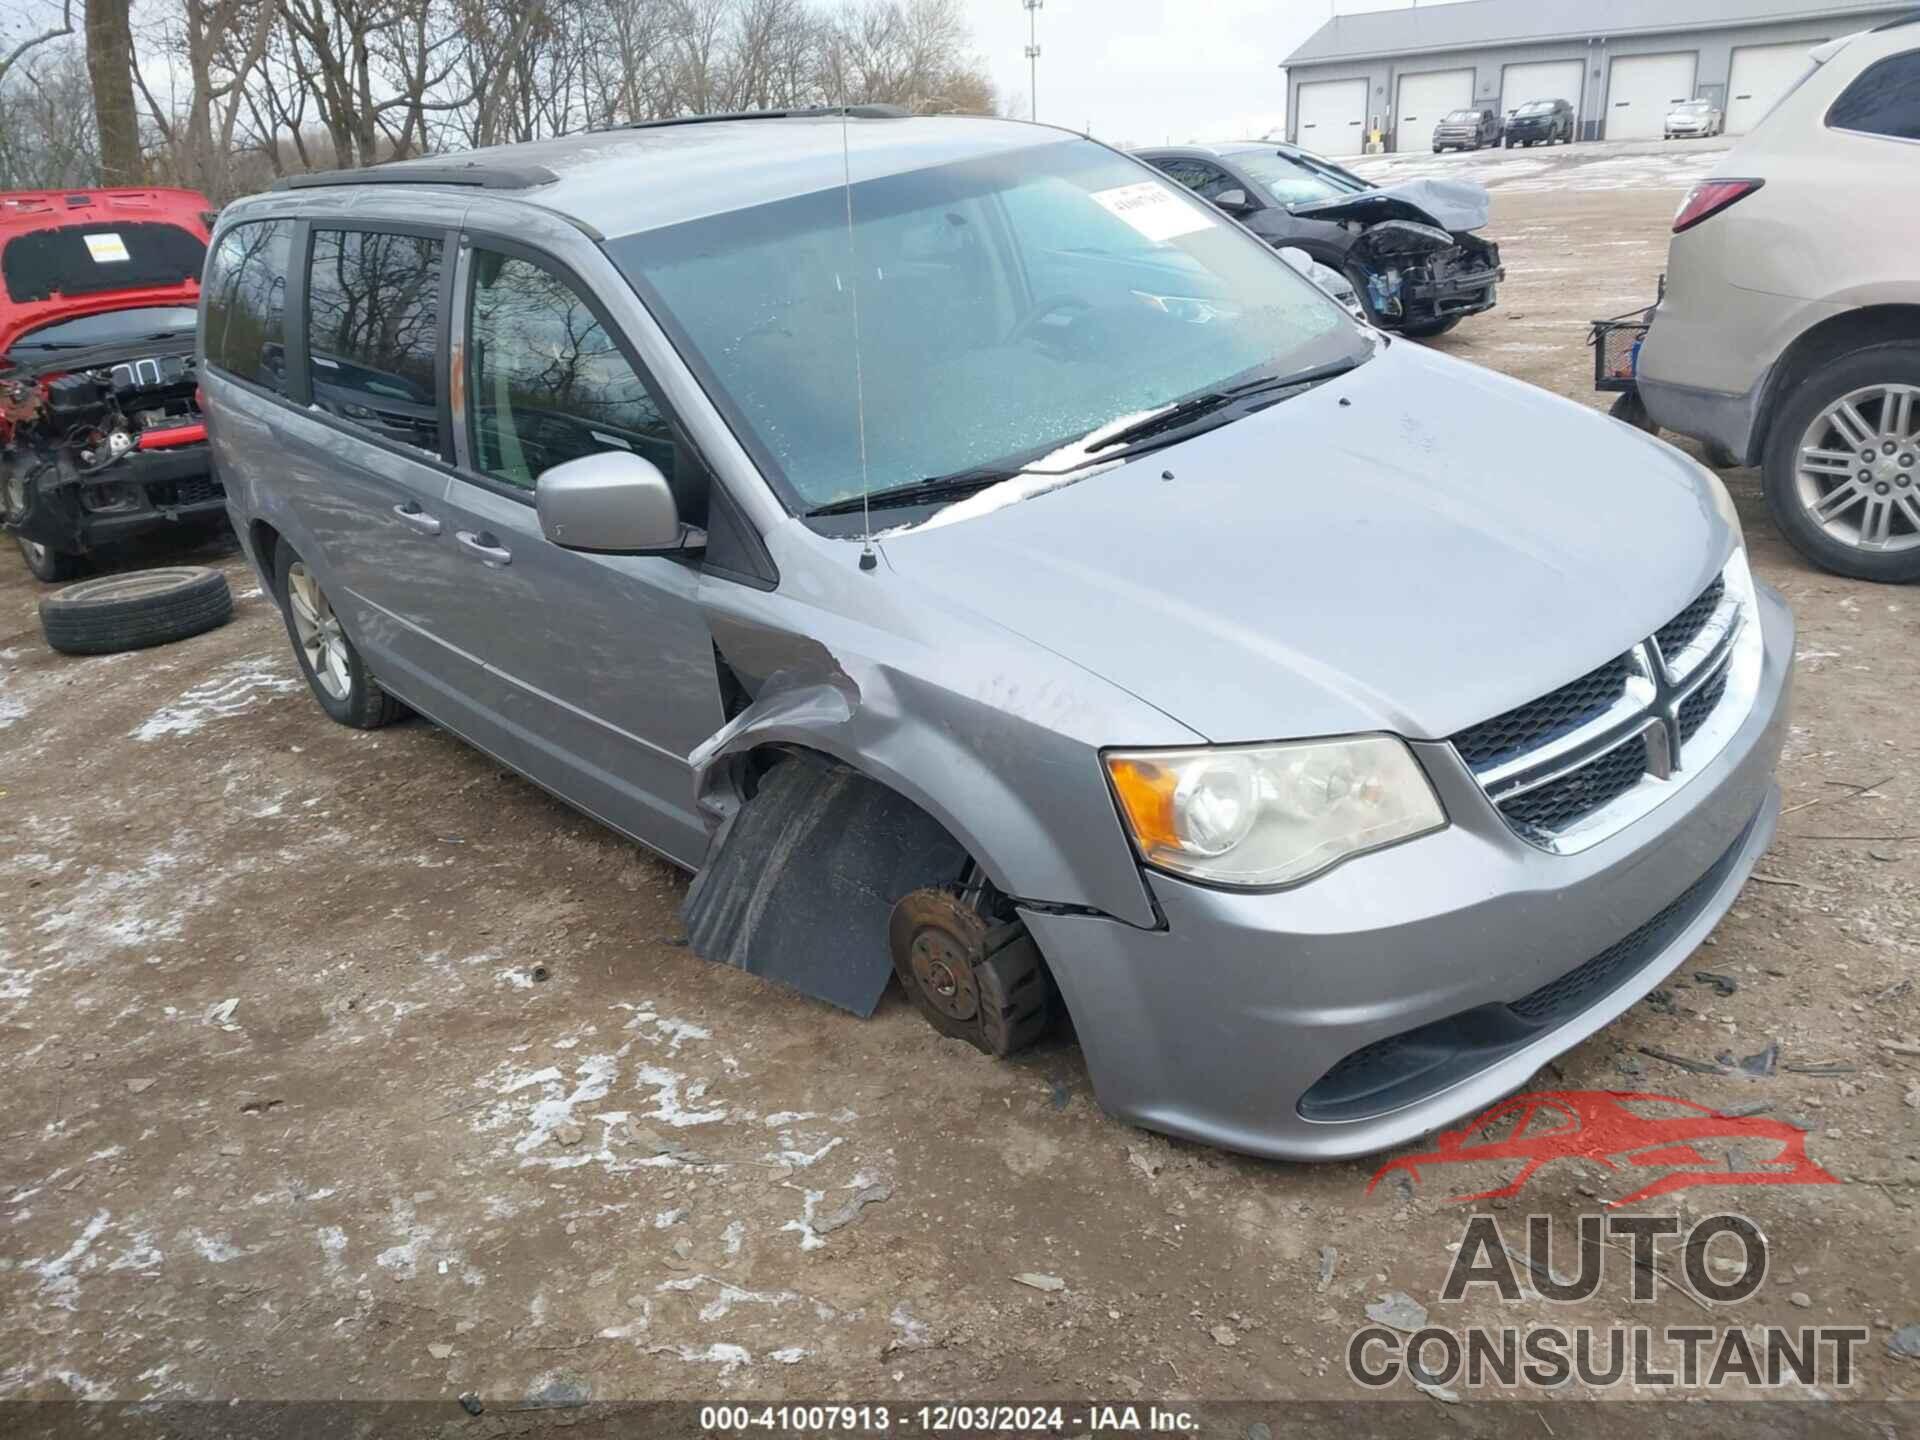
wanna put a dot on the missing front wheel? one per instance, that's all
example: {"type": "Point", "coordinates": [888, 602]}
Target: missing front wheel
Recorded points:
{"type": "Point", "coordinates": [971, 977]}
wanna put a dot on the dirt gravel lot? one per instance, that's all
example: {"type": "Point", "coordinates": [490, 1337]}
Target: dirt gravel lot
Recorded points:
{"type": "Point", "coordinates": [347, 1063]}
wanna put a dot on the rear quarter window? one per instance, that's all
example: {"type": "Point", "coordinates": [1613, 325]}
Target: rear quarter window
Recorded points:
{"type": "Point", "coordinates": [246, 324]}
{"type": "Point", "coordinates": [1884, 99]}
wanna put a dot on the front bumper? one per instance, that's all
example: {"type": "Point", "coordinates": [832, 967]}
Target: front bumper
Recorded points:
{"type": "Point", "coordinates": [1458, 292]}
{"type": "Point", "coordinates": [1216, 1026]}
{"type": "Point", "coordinates": [140, 492]}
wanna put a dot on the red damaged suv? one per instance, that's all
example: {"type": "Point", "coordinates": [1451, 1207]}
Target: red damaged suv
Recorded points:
{"type": "Point", "coordinates": [100, 428]}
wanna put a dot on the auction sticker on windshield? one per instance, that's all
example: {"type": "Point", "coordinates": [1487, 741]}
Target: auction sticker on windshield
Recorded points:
{"type": "Point", "coordinates": [1155, 211]}
{"type": "Point", "coordinates": [106, 248]}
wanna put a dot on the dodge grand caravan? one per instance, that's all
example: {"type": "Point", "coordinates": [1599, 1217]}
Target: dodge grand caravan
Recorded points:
{"type": "Point", "coordinates": [985, 564]}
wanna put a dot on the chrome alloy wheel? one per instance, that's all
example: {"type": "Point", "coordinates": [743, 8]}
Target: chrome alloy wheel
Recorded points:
{"type": "Point", "coordinates": [321, 639]}
{"type": "Point", "coordinates": [1857, 471]}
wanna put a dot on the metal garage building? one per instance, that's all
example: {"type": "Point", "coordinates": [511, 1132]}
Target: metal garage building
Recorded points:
{"type": "Point", "coordinates": [1620, 63]}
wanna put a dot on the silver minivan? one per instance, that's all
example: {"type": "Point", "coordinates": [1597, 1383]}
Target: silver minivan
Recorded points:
{"type": "Point", "coordinates": [986, 564]}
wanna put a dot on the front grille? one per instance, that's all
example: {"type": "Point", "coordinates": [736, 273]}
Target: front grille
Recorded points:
{"type": "Point", "coordinates": [196, 490]}
{"type": "Point", "coordinates": [1560, 803]}
{"type": "Point", "coordinates": [1528, 727]}
{"type": "Point", "coordinates": [1402, 1069]}
{"type": "Point", "coordinates": [1695, 709]}
{"type": "Point", "coordinates": [1600, 736]}
{"type": "Point", "coordinates": [1684, 628]}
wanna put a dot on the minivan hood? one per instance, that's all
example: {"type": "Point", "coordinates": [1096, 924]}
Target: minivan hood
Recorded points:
{"type": "Point", "coordinates": [1412, 547]}
{"type": "Point", "coordinates": [1451, 204]}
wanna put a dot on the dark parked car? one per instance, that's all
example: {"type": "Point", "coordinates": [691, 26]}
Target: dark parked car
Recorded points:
{"type": "Point", "coordinates": [1540, 122]}
{"type": "Point", "coordinates": [100, 430]}
{"type": "Point", "coordinates": [1407, 249]}
{"type": "Point", "coordinates": [1466, 130]}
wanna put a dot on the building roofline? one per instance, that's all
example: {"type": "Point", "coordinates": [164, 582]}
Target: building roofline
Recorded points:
{"type": "Point", "coordinates": [1299, 59]}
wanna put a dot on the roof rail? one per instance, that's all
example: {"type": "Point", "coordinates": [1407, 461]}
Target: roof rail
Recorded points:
{"type": "Point", "coordinates": [484, 177]}
{"type": "Point", "coordinates": [1898, 22]}
{"type": "Point", "coordinates": [856, 112]}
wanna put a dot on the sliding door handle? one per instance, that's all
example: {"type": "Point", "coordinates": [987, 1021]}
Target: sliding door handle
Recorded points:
{"type": "Point", "coordinates": [417, 518]}
{"type": "Point", "coordinates": [484, 546]}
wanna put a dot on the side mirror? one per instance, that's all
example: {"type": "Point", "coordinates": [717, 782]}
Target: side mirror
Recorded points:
{"type": "Point", "coordinates": [1298, 259]}
{"type": "Point", "coordinates": [614, 501]}
{"type": "Point", "coordinates": [1234, 200]}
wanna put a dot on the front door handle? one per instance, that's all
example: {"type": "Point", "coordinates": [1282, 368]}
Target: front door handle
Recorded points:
{"type": "Point", "coordinates": [483, 546]}
{"type": "Point", "coordinates": [417, 518]}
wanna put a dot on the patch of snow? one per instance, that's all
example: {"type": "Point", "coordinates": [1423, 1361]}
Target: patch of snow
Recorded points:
{"type": "Point", "coordinates": [234, 688]}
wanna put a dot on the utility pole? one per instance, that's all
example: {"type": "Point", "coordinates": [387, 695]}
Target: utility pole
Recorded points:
{"type": "Point", "coordinates": [1033, 52]}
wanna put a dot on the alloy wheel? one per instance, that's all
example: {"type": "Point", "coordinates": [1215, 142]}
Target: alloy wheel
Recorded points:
{"type": "Point", "coordinates": [1857, 471]}
{"type": "Point", "coordinates": [321, 639]}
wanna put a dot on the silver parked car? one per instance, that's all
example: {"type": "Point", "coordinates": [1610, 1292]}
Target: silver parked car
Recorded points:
{"type": "Point", "coordinates": [1694, 120]}
{"type": "Point", "coordinates": [1789, 341]}
{"type": "Point", "coordinates": [985, 564]}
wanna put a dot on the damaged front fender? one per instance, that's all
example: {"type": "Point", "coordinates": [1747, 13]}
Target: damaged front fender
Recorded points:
{"type": "Point", "coordinates": [1000, 769]}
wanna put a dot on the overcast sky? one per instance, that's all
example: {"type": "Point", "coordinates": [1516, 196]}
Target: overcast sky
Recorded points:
{"type": "Point", "coordinates": [1142, 71]}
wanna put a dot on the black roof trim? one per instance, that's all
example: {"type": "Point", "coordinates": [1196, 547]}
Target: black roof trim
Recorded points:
{"type": "Point", "coordinates": [811, 112]}
{"type": "Point", "coordinates": [1913, 19]}
{"type": "Point", "coordinates": [484, 177]}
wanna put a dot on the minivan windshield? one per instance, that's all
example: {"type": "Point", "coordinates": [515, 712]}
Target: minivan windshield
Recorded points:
{"type": "Point", "coordinates": [1009, 306]}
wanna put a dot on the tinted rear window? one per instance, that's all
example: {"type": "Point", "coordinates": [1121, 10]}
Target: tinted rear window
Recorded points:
{"type": "Point", "coordinates": [373, 331]}
{"type": "Point", "coordinates": [1883, 100]}
{"type": "Point", "coordinates": [102, 256]}
{"type": "Point", "coordinates": [247, 302]}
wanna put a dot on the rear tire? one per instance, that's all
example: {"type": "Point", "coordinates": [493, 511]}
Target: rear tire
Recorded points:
{"type": "Point", "coordinates": [132, 611]}
{"type": "Point", "coordinates": [1801, 422]}
{"type": "Point", "coordinates": [335, 673]}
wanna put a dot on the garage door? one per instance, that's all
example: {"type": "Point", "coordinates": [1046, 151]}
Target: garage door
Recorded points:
{"type": "Point", "coordinates": [1641, 89]}
{"type": "Point", "coordinates": [1423, 100]}
{"type": "Point", "coordinates": [1761, 75]}
{"type": "Point", "coordinates": [1548, 80]}
{"type": "Point", "coordinates": [1333, 117]}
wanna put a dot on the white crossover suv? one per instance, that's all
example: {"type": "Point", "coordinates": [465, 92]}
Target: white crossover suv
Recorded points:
{"type": "Point", "coordinates": [1789, 335]}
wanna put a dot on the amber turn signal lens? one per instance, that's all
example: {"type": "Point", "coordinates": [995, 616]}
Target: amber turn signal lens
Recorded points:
{"type": "Point", "coordinates": [1146, 794]}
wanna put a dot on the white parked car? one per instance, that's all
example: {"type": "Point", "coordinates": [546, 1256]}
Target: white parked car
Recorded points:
{"type": "Point", "coordinates": [1694, 120]}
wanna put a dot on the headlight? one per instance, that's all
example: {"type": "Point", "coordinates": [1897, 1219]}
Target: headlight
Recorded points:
{"type": "Point", "coordinates": [1723, 502]}
{"type": "Point", "coordinates": [1263, 815]}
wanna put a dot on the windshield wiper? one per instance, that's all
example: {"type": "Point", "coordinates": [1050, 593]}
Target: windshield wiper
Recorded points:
{"type": "Point", "coordinates": [919, 492]}
{"type": "Point", "coordinates": [962, 483]}
{"type": "Point", "coordinates": [1200, 406]}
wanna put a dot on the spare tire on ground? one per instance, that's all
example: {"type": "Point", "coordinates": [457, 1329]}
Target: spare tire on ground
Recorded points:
{"type": "Point", "coordinates": [131, 611]}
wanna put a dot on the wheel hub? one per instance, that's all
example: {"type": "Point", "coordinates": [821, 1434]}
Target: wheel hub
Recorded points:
{"type": "Point", "coordinates": [945, 974]}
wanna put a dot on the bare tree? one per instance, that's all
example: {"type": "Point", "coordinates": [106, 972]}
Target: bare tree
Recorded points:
{"type": "Point", "coordinates": [110, 69]}
{"type": "Point", "coordinates": [34, 39]}
{"type": "Point", "coordinates": [47, 138]}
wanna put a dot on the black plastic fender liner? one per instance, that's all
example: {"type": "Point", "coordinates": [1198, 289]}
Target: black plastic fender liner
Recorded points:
{"type": "Point", "coordinates": [801, 880]}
